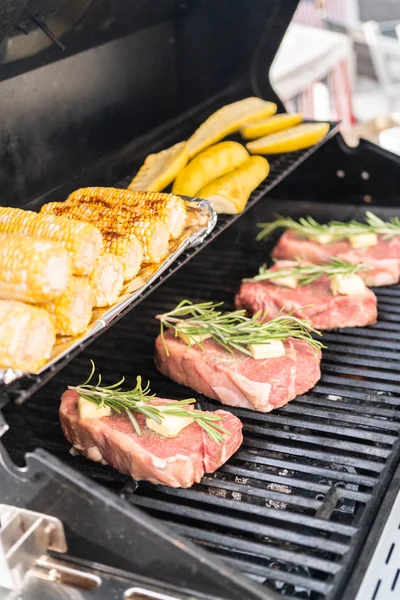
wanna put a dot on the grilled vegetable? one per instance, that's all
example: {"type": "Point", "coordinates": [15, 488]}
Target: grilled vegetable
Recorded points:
{"type": "Point", "coordinates": [159, 170]}
{"type": "Point", "coordinates": [73, 309]}
{"type": "Point", "coordinates": [228, 119]}
{"type": "Point", "coordinates": [151, 232]}
{"type": "Point", "coordinates": [256, 129]}
{"type": "Point", "coordinates": [167, 207]}
{"type": "Point", "coordinates": [32, 269]}
{"type": "Point", "coordinates": [27, 336]}
{"type": "Point", "coordinates": [82, 240]}
{"type": "Point", "coordinates": [208, 165]}
{"type": "Point", "coordinates": [230, 193]}
{"type": "Point", "coordinates": [107, 280]}
{"type": "Point", "coordinates": [289, 140]}
{"type": "Point", "coordinates": [128, 249]}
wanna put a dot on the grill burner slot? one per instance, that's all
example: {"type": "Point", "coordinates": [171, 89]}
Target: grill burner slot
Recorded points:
{"type": "Point", "coordinates": [293, 507]}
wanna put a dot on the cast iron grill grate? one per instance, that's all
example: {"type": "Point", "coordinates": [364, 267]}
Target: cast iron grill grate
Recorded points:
{"type": "Point", "coordinates": [292, 508]}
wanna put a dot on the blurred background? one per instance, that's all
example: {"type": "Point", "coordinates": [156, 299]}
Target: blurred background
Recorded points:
{"type": "Point", "coordinates": [340, 60]}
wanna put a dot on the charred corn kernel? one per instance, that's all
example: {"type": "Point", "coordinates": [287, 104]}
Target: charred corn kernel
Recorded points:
{"type": "Point", "coordinates": [228, 119]}
{"type": "Point", "coordinates": [169, 208]}
{"type": "Point", "coordinates": [151, 232]}
{"type": "Point", "coordinates": [289, 140]}
{"type": "Point", "coordinates": [159, 170]}
{"type": "Point", "coordinates": [73, 309]}
{"type": "Point", "coordinates": [32, 269]}
{"type": "Point", "coordinates": [106, 280]}
{"type": "Point", "coordinates": [128, 249]}
{"type": "Point", "coordinates": [208, 165]}
{"type": "Point", "coordinates": [261, 127]}
{"type": "Point", "coordinates": [27, 336]}
{"type": "Point", "coordinates": [230, 193]}
{"type": "Point", "coordinates": [82, 240]}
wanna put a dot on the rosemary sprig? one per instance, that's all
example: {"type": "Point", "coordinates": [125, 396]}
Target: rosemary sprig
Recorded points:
{"type": "Point", "coordinates": [232, 330]}
{"type": "Point", "coordinates": [306, 274]}
{"type": "Point", "coordinates": [139, 400]}
{"type": "Point", "coordinates": [308, 227]}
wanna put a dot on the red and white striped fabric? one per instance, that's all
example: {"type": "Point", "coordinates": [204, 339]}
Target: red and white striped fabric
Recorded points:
{"type": "Point", "coordinates": [311, 13]}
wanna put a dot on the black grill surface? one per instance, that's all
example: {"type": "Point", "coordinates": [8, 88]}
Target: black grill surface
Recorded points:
{"type": "Point", "coordinates": [292, 508]}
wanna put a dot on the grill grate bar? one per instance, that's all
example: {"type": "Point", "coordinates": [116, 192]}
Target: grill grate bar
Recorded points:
{"type": "Point", "coordinates": [279, 575]}
{"type": "Point", "coordinates": [258, 549]}
{"type": "Point", "coordinates": [319, 456]}
{"type": "Point", "coordinates": [383, 396]}
{"type": "Point", "coordinates": [344, 359]}
{"type": "Point", "coordinates": [270, 513]}
{"type": "Point", "coordinates": [332, 413]}
{"type": "Point", "coordinates": [327, 473]}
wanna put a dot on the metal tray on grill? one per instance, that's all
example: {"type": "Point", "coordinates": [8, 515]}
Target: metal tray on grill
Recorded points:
{"type": "Point", "coordinates": [201, 220]}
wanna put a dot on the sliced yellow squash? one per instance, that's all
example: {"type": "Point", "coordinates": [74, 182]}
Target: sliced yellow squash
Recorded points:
{"type": "Point", "coordinates": [159, 170]}
{"type": "Point", "coordinates": [289, 140]}
{"type": "Point", "coordinates": [256, 129]}
{"type": "Point", "coordinates": [213, 162]}
{"type": "Point", "coordinates": [230, 193]}
{"type": "Point", "coordinates": [228, 119]}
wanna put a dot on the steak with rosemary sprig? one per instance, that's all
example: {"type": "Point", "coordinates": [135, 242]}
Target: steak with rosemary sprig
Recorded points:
{"type": "Point", "coordinates": [315, 300]}
{"type": "Point", "coordinates": [179, 461]}
{"type": "Point", "coordinates": [222, 367]}
{"type": "Point", "coordinates": [374, 242]}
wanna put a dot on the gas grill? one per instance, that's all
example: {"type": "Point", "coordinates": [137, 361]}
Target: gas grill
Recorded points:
{"type": "Point", "coordinates": [309, 506]}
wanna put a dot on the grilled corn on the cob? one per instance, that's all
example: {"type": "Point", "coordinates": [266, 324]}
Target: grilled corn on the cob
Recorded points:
{"type": "Point", "coordinates": [73, 309]}
{"type": "Point", "coordinates": [32, 269]}
{"type": "Point", "coordinates": [230, 193]}
{"type": "Point", "coordinates": [169, 208]}
{"type": "Point", "coordinates": [209, 164]}
{"type": "Point", "coordinates": [228, 119]}
{"type": "Point", "coordinates": [151, 232]}
{"type": "Point", "coordinates": [107, 280]}
{"type": "Point", "coordinates": [27, 336]}
{"type": "Point", "coordinates": [82, 240]}
{"type": "Point", "coordinates": [158, 170]}
{"type": "Point", "coordinates": [128, 249]}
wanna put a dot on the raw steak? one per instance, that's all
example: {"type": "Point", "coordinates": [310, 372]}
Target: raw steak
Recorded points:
{"type": "Point", "coordinates": [236, 379]}
{"type": "Point", "coordinates": [178, 462]}
{"type": "Point", "coordinates": [313, 302]}
{"type": "Point", "coordinates": [384, 257]}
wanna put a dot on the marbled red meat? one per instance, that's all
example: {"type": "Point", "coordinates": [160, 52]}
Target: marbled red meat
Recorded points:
{"type": "Point", "coordinates": [178, 462]}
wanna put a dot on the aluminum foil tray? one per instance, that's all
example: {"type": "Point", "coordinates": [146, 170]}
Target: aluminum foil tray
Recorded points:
{"type": "Point", "coordinates": [201, 220]}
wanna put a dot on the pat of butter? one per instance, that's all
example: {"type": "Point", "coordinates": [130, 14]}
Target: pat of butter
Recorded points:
{"type": "Point", "coordinates": [194, 339]}
{"type": "Point", "coordinates": [363, 240]}
{"type": "Point", "coordinates": [90, 410]}
{"type": "Point", "coordinates": [324, 238]}
{"type": "Point", "coordinates": [272, 349]}
{"type": "Point", "coordinates": [289, 282]}
{"type": "Point", "coordinates": [347, 285]}
{"type": "Point", "coordinates": [170, 426]}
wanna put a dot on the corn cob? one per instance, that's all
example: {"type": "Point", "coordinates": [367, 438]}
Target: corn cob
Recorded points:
{"type": "Point", "coordinates": [152, 233]}
{"type": "Point", "coordinates": [32, 269]}
{"type": "Point", "coordinates": [128, 249]}
{"type": "Point", "coordinates": [107, 280]}
{"type": "Point", "coordinates": [27, 336]}
{"type": "Point", "coordinates": [73, 309]}
{"type": "Point", "coordinates": [169, 208]}
{"type": "Point", "coordinates": [159, 170]}
{"type": "Point", "coordinates": [82, 240]}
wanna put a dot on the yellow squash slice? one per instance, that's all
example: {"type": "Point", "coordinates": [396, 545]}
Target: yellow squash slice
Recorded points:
{"type": "Point", "coordinates": [213, 162]}
{"type": "Point", "coordinates": [159, 170]}
{"type": "Point", "coordinates": [228, 119]}
{"type": "Point", "coordinates": [289, 140]}
{"type": "Point", "coordinates": [256, 129]}
{"type": "Point", "coordinates": [230, 193]}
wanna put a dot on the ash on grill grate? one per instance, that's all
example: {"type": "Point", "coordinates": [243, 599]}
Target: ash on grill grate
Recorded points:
{"type": "Point", "coordinates": [293, 506]}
